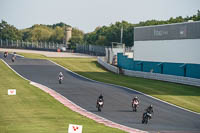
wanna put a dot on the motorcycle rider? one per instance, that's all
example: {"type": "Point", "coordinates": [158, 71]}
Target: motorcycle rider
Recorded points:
{"type": "Point", "coordinates": [15, 54]}
{"type": "Point", "coordinates": [5, 54]}
{"type": "Point", "coordinates": [135, 99]}
{"type": "Point", "coordinates": [100, 98]}
{"type": "Point", "coordinates": [149, 110]}
{"type": "Point", "coordinates": [13, 57]}
{"type": "Point", "coordinates": [61, 75]}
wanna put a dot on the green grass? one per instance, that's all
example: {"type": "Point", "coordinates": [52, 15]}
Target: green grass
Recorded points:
{"type": "Point", "coordinates": [182, 95]}
{"type": "Point", "coordinates": [33, 56]}
{"type": "Point", "coordinates": [34, 111]}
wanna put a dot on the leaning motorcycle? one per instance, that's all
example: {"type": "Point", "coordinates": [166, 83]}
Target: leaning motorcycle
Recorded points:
{"type": "Point", "coordinates": [100, 104]}
{"type": "Point", "coordinates": [135, 105]}
{"type": "Point", "coordinates": [146, 117]}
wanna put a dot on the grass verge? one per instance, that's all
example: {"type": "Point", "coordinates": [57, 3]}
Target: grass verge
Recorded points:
{"type": "Point", "coordinates": [34, 111]}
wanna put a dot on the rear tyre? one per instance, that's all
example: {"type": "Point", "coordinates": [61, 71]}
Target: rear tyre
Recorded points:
{"type": "Point", "coordinates": [143, 121]}
{"type": "Point", "coordinates": [99, 109]}
{"type": "Point", "coordinates": [135, 108]}
{"type": "Point", "coordinates": [146, 120]}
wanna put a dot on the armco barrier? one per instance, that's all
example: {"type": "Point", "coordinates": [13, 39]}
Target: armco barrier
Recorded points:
{"type": "Point", "coordinates": [148, 75]}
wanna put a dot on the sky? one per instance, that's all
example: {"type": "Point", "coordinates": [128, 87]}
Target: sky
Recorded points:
{"type": "Point", "coordinates": [86, 15]}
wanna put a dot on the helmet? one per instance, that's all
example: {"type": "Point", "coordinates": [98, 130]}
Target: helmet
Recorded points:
{"type": "Point", "coordinates": [60, 73]}
{"type": "Point", "coordinates": [151, 106]}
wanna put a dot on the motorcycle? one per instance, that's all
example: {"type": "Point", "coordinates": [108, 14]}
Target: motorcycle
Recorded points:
{"type": "Point", "coordinates": [100, 104]}
{"type": "Point", "coordinates": [146, 117]}
{"type": "Point", "coordinates": [5, 54]}
{"type": "Point", "coordinates": [135, 105]}
{"type": "Point", "coordinates": [60, 80]}
{"type": "Point", "coordinates": [13, 59]}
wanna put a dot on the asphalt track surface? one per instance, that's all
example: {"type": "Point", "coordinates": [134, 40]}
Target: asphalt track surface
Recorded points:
{"type": "Point", "coordinates": [117, 107]}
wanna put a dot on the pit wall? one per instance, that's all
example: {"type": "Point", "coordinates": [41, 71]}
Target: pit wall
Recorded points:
{"type": "Point", "coordinates": [177, 69]}
{"type": "Point", "coordinates": [148, 75]}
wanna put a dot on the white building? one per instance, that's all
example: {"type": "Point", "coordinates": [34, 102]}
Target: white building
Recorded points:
{"type": "Point", "coordinates": [178, 43]}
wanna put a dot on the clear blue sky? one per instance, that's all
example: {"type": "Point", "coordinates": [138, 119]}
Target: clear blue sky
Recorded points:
{"type": "Point", "coordinates": [88, 14]}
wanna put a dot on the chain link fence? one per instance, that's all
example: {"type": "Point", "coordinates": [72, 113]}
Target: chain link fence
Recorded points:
{"type": "Point", "coordinates": [91, 49]}
{"type": "Point", "coordinates": [49, 46]}
{"type": "Point", "coordinates": [94, 50]}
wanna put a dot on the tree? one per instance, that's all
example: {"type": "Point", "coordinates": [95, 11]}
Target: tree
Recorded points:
{"type": "Point", "coordinates": [61, 24]}
{"type": "Point", "coordinates": [76, 40]}
{"type": "Point", "coordinates": [40, 33]}
{"type": "Point", "coordinates": [57, 35]}
{"type": "Point", "coordinates": [9, 32]}
{"type": "Point", "coordinates": [107, 34]}
{"type": "Point", "coordinates": [101, 40]}
{"type": "Point", "coordinates": [77, 36]}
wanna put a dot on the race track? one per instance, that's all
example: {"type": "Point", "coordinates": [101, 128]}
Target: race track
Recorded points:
{"type": "Point", "coordinates": [83, 92]}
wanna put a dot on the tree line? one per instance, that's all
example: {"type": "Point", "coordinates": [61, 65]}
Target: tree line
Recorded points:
{"type": "Point", "coordinates": [100, 36]}
{"type": "Point", "coordinates": [40, 33]}
{"type": "Point", "coordinates": [106, 34]}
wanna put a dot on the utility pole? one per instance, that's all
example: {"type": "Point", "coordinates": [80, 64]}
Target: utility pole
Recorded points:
{"type": "Point", "coordinates": [121, 34]}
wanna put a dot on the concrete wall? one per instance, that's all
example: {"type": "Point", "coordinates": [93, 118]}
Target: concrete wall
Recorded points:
{"type": "Point", "coordinates": [109, 67]}
{"type": "Point", "coordinates": [111, 52]}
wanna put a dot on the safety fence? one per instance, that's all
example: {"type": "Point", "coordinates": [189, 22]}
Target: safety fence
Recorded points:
{"type": "Point", "coordinates": [102, 50]}
{"type": "Point", "coordinates": [91, 49]}
{"type": "Point", "coordinates": [50, 46]}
